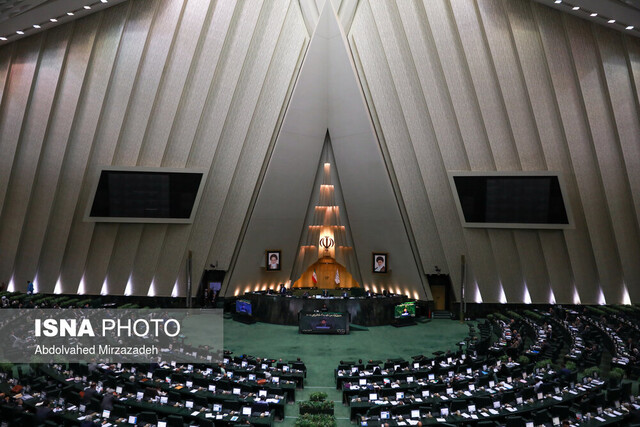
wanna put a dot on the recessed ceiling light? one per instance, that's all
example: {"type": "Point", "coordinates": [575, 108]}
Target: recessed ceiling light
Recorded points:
{"type": "Point", "coordinates": [87, 7]}
{"type": "Point", "coordinates": [630, 27]}
{"type": "Point", "coordinates": [20, 32]}
{"type": "Point", "coordinates": [558, 1]}
{"type": "Point", "coordinates": [576, 7]}
{"type": "Point", "coordinates": [53, 20]}
{"type": "Point", "coordinates": [104, 1]}
{"type": "Point", "coordinates": [70, 13]}
{"type": "Point", "coordinates": [4, 39]}
{"type": "Point", "coordinates": [593, 15]}
{"type": "Point", "coordinates": [611, 21]}
{"type": "Point", "coordinates": [36, 26]}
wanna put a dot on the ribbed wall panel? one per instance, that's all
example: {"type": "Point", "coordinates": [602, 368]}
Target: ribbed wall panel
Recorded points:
{"type": "Point", "coordinates": [476, 85]}
{"type": "Point", "coordinates": [513, 85]}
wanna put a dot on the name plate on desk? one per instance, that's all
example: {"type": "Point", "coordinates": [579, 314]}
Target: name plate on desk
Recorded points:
{"type": "Point", "coordinates": [323, 323]}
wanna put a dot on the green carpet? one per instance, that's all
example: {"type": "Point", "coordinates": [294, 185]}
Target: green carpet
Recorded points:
{"type": "Point", "coordinates": [322, 353]}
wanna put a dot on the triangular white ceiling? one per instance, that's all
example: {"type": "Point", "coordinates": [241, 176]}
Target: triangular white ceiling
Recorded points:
{"type": "Point", "coordinates": [327, 97]}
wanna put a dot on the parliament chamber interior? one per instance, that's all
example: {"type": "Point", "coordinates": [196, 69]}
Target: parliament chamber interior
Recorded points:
{"type": "Point", "coordinates": [319, 213]}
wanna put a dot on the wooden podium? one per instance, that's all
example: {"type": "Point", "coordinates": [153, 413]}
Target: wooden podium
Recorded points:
{"type": "Point", "coordinates": [325, 269]}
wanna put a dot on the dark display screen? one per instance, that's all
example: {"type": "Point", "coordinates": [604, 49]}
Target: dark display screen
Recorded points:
{"type": "Point", "coordinates": [323, 323]}
{"type": "Point", "coordinates": [511, 199]}
{"type": "Point", "coordinates": [243, 306]}
{"type": "Point", "coordinates": [134, 194]}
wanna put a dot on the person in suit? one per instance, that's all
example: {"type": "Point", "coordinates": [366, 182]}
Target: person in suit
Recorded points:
{"type": "Point", "coordinates": [89, 392]}
{"type": "Point", "coordinates": [345, 294]}
{"type": "Point", "coordinates": [283, 289]}
{"type": "Point", "coordinates": [108, 400]}
{"type": "Point", "coordinates": [44, 412]}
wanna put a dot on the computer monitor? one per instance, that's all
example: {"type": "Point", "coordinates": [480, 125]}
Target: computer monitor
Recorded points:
{"type": "Point", "coordinates": [164, 400]}
{"type": "Point", "coordinates": [188, 404]}
{"type": "Point", "coordinates": [540, 396]}
{"type": "Point", "coordinates": [275, 379]}
{"type": "Point", "coordinates": [450, 390]}
{"type": "Point", "coordinates": [416, 365]}
{"type": "Point", "coordinates": [425, 393]}
{"type": "Point", "coordinates": [432, 377]}
{"type": "Point", "coordinates": [362, 381]}
{"type": "Point", "coordinates": [496, 404]}
{"type": "Point", "coordinates": [469, 371]}
{"type": "Point", "coordinates": [212, 388]}
{"type": "Point", "coordinates": [262, 393]}
{"type": "Point", "coordinates": [150, 375]}
{"type": "Point", "coordinates": [472, 387]}
{"type": "Point", "coordinates": [519, 400]}
{"type": "Point", "coordinates": [217, 407]}
{"type": "Point", "coordinates": [243, 364]}
{"type": "Point", "coordinates": [529, 424]}
{"type": "Point", "coordinates": [106, 413]}
{"type": "Point", "coordinates": [264, 366]}
{"type": "Point", "coordinates": [409, 379]}
{"type": "Point", "coordinates": [132, 420]}
{"type": "Point", "coordinates": [415, 413]}
{"type": "Point", "coordinates": [189, 384]}
{"type": "Point", "coordinates": [246, 411]}
{"type": "Point", "coordinates": [139, 395]}
{"type": "Point", "coordinates": [285, 368]}
{"type": "Point", "coordinates": [162, 424]}
{"type": "Point", "coordinates": [384, 415]}
{"type": "Point", "coordinates": [373, 396]}
{"type": "Point", "coordinates": [471, 408]}
{"type": "Point", "coordinates": [492, 384]}
{"type": "Point", "coordinates": [236, 391]}
{"type": "Point", "coordinates": [399, 395]}
{"type": "Point", "coordinates": [555, 421]}
{"type": "Point", "coordinates": [82, 408]}
{"type": "Point", "coordinates": [119, 389]}
{"type": "Point", "coordinates": [444, 412]}
{"type": "Point", "coordinates": [252, 377]}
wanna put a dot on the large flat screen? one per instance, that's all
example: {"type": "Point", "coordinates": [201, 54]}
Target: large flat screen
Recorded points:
{"type": "Point", "coordinates": [144, 195]}
{"type": "Point", "coordinates": [511, 201]}
{"type": "Point", "coordinates": [406, 309]}
{"type": "Point", "coordinates": [243, 306]}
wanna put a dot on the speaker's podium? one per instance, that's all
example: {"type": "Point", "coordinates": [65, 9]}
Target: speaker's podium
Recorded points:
{"type": "Point", "coordinates": [406, 320]}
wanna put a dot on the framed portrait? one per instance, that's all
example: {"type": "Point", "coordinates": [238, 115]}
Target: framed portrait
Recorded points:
{"type": "Point", "coordinates": [380, 262]}
{"type": "Point", "coordinates": [273, 260]}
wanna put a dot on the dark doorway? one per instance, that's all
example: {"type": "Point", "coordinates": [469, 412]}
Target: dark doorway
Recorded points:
{"type": "Point", "coordinates": [440, 285]}
{"type": "Point", "coordinates": [209, 292]}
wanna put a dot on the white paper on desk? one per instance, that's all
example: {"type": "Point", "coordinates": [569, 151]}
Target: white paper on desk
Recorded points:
{"type": "Point", "coordinates": [611, 415]}
{"type": "Point", "coordinates": [573, 392]}
{"type": "Point", "coordinates": [418, 399]}
{"type": "Point", "coordinates": [402, 423]}
{"type": "Point", "coordinates": [444, 398]}
{"type": "Point", "coordinates": [511, 409]}
{"type": "Point", "coordinates": [441, 420]}
{"type": "Point", "coordinates": [465, 415]}
{"type": "Point", "coordinates": [600, 419]}
{"type": "Point", "coordinates": [412, 422]}
{"type": "Point", "coordinates": [557, 398]}
{"type": "Point", "coordinates": [484, 414]}
{"type": "Point", "coordinates": [467, 393]}
{"type": "Point", "coordinates": [474, 416]}
{"type": "Point", "coordinates": [617, 413]}
{"type": "Point", "coordinates": [82, 418]}
{"type": "Point", "coordinates": [194, 390]}
{"type": "Point", "coordinates": [209, 415]}
{"type": "Point", "coordinates": [106, 425]}
{"type": "Point", "coordinates": [493, 411]}
{"type": "Point", "coordinates": [219, 417]}
{"type": "Point", "coordinates": [194, 413]}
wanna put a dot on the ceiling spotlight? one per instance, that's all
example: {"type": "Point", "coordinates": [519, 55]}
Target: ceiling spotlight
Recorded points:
{"type": "Point", "coordinates": [576, 8]}
{"type": "Point", "coordinates": [4, 39]}
{"type": "Point", "coordinates": [558, 1]}
{"type": "Point", "coordinates": [20, 32]}
{"type": "Point", "coordinates": [611, 21]}
{"type": "Point", "coordinates": [53, 20]}
{"type": "Point", "coordinates": [87, 7]}
{"type": "Point", "coordinates": [593, 15]}
{"type": "Point", "coordinates": [630, 27]}
{"type": "Point", "coordinates": [104, 1]}
{"type": "Point", "coordinates": [70, 13]}
{"type": "Point", "coordinates": [36, 26]}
